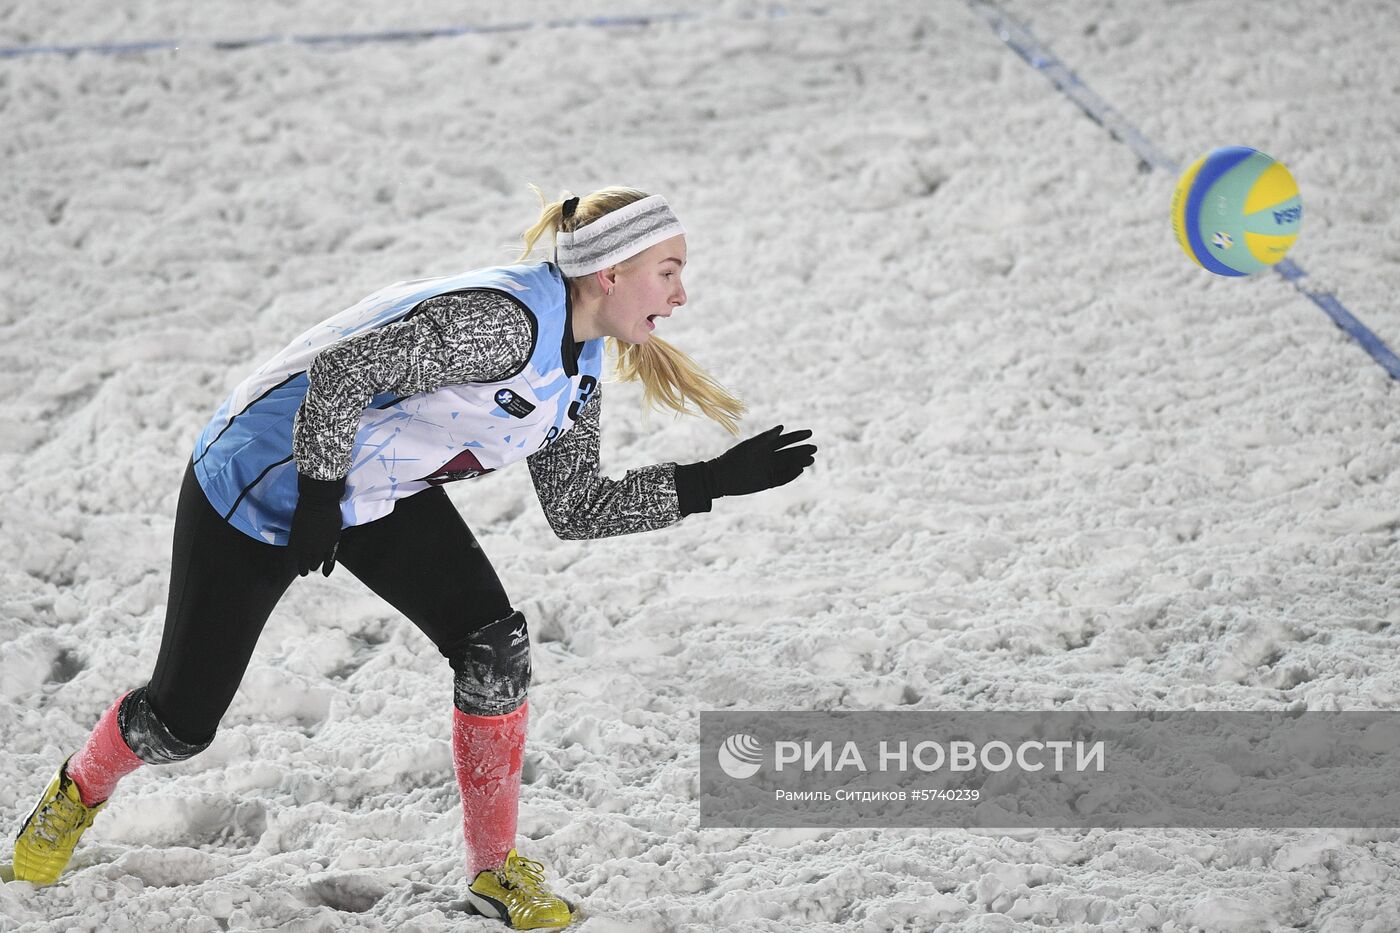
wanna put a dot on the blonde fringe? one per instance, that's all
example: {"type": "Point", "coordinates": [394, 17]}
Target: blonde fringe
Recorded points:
{"type": "Point", "coordinates": [670, 378]}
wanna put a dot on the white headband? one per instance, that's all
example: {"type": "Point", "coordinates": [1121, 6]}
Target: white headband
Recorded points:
{"type": "Point", "coordinates": [617, 235]}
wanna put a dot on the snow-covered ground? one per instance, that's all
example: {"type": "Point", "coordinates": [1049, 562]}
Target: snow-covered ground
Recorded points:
{"type": "Point", "coordinates": [1061, 466]}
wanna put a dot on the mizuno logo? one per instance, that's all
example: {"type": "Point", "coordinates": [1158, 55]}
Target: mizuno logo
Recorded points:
{"type": "Point", "coordinates": [517, 636]}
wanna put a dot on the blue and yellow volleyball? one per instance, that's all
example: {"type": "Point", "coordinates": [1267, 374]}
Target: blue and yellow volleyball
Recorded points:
{"type": "Point", "coordinates": [1236, 211]}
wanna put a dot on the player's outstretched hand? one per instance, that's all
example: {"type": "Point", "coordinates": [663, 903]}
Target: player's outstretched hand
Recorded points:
{"type": "Point", "coordinates": [761, 462]}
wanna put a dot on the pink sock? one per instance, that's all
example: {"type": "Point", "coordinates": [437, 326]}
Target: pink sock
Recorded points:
{"type": "Point", "coordinates": [104, 760]}
{"type": "Point", "coordinates": [487, 752]}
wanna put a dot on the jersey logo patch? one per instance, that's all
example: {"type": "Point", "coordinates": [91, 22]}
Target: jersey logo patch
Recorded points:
{"type": "Point", "coordinates": [514, 405]}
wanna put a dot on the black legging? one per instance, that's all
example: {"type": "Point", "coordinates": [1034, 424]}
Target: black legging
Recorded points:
{"type": "Point", "coordinates": [421, 559]}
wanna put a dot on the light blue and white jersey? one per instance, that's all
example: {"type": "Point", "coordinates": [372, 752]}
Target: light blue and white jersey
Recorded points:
{"type": "Point", "coordinates": [403, 445]}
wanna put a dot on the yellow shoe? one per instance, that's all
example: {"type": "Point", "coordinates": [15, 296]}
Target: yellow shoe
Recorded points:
{"type": "Point", "coordinates": [516, 893]}
{"type": "Point", "coordinates": [46, 840]}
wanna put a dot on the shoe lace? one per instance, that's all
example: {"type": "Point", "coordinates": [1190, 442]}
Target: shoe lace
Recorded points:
{"type": "Point", "coordinates": [58, 818]}
{"type": "Point", "coordinates": [527, 874]}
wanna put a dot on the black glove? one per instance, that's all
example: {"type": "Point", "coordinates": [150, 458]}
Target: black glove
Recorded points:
{"type": "Point", "coordinates": [316, 524]}
{"type": "Point", "coordinates": [761, 462]}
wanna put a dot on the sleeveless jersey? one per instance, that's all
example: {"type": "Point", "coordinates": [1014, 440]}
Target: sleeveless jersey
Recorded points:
{"type": "Point", "coordinates": [403, 445]}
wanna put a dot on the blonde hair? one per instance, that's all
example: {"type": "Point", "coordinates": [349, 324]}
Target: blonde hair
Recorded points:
{"type": "Point", "coordinates": [669, 377]}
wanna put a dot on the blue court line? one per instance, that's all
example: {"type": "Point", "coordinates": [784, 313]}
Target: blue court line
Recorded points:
{"type": "Point", "coordinates": [1024, 43]}
{"type": "Point", "coordinates": [366, 38]}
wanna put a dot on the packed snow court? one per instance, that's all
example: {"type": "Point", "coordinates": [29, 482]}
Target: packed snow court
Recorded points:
{"type": "Point", "coordinates": [1060, 467]}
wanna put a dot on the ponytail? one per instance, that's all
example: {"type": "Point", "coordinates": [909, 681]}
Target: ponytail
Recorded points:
{"type": "Point", "coordinates": [551, 222]}
{"type": "Point", "coordinates": [670, 378]}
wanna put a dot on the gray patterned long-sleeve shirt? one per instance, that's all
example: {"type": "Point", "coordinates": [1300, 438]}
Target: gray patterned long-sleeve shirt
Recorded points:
{"type": "Point", "coordinates": [464, 337]}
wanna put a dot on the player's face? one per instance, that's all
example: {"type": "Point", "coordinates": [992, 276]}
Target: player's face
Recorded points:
{"type": "Point", "coordinates": [647, 289]}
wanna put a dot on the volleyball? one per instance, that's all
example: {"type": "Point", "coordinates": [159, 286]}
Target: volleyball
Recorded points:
{"type": "Point", "coordinates": [1236, 211]}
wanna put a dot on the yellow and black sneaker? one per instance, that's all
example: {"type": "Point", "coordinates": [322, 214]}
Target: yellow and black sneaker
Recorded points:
{"type": "Point", "coordinates": [46, 840]}
{"type": "Point", "coordinates": [516, 893]}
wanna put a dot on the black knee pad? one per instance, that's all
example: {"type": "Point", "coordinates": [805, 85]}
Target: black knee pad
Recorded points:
{"type": "Point", "coordinates": [492, 667]}
{"type": "Point", "coordinates": [148, 737]}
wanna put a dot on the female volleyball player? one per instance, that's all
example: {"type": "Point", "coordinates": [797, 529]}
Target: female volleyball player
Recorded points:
{"type": "Point", "coordinates": [335, 451]}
